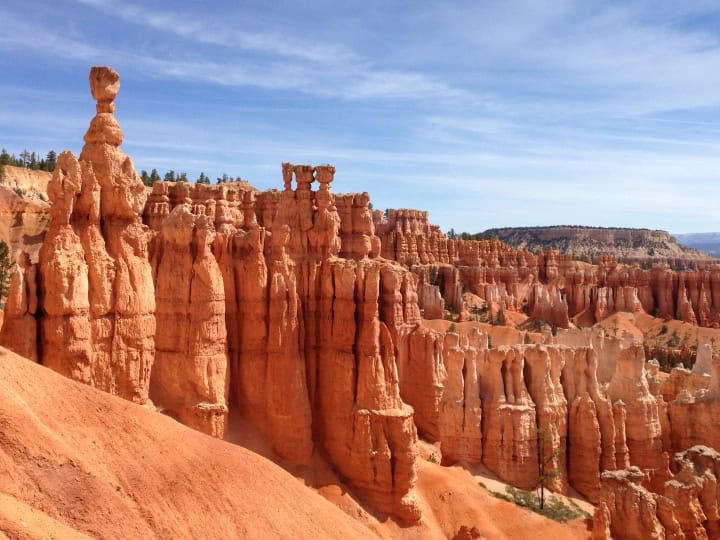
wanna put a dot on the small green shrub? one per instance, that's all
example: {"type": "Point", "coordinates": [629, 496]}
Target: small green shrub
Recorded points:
{"type": "Point", "coordinates": [433, 458]}
{"type": "Point", "coordinates": [452, 328]}
{"type": "Point", "coordinates": [554, 508]}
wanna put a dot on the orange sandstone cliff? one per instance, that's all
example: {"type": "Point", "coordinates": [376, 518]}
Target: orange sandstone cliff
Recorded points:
{"type": "Point", "coordinates": [300, 312]}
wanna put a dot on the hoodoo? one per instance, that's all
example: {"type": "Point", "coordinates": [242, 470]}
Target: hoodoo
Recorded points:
{"type": "Point", "coordinates": [310, 317]}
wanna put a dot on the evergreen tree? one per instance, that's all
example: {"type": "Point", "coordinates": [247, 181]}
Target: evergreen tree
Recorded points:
{"type": "Point", "coordinates": [50, 161]}
{"type": "Point", "coordinates": [154, 176]}
{"type": "Point", "coordinates": [203, 179]}
{"type": "Point", "coordinates": [5, 158]}
{"type": "Point", "coordinates": [24, 159]}
{"type": "Point", "coordinates": [6, 267]}
{"type": "Point", "coordinates": [182, 177]}
{"type": "Point", "coordinates": [169, 176]}
{"type": "Point", "coordinates": [145, 177]}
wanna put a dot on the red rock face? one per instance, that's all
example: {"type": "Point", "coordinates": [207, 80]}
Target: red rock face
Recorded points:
{"type": "Point", "coordinates": [281, 307]}
{"type": "Point", "coordinates": [309, 334]}
{"type": "Point", "coordinates": [97, 305]}
{"type": "Point", "coordinates": [190, 374]}
{"type": "Point", "coordinates": [19, 326]}
{"type": "Point", "coordinates": [552, 287]}
{"type": "Point", "coordinates": [686, 506]}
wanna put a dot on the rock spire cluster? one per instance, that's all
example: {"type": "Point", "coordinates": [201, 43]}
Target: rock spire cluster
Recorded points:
{"type": "Point", "coordinates": [299, 310]}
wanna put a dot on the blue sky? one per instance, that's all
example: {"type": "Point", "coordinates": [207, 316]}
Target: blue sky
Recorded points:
{"type": "Point", "coordinates": [487, 114]}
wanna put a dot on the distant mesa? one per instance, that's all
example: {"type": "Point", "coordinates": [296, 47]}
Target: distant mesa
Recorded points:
{"type": "Point", "coordinates": [706, 242]}
{"type": "Point", "coordinates": [627, 245]}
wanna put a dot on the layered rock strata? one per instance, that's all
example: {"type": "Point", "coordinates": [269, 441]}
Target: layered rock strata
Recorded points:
{"type": "Point", "coordinates": [686, 506]}
{"type": "Point", "coordinates": [549, 286]}
{"type": "Point", "coordinates": [96, 303]}
{"type": "Point", "coordinates": [283, 308]}
{"type": "Point", "coordinates": [190, 379]}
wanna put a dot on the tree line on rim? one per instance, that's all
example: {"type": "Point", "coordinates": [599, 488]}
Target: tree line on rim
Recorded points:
{"type": "Point", "coordinates": [34, 161]}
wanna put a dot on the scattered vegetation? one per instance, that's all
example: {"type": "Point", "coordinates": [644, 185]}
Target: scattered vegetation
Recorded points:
{"type": "Point", "coordinates": [545, 472]}
{"type": "Point", "coordinates": [29, 160]}
{"type": "Point", "coordinates": [555, 508]}
{"type": "Point", "coordinates": [480, 314]}
{"type": "Point", "coordinates": [664, 329]}
{"type": "Point", "coordinates": [452, 328]}
{"type": "Point", "coordinates": [433, 275]}
{"type": "Point", "coordinates": [19, 192]}
{"type": "Point", "coordinates": [433, 458]}
{"type": "Point", "coordinates": [6, 270]}
{"type": "Point", "coordinates": [549, 506]}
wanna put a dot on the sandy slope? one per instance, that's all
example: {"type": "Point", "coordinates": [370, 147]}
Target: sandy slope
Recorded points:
{"type": "Point", "coordinates": [76, 459]}
{"type": "Point", "coordinates": [77, 463]}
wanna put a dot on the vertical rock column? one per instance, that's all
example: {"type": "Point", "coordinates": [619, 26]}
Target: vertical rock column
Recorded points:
{"type": "Point", "coordinates": [460, 411]}
{"type": "Point", "coordinates": [642, 425]}
{"type": "Point", "coordinates": [591, 424]}
{"type": "Point", "coordinates": [362, 424]}
{"type": "Point", "coordinates": [542, 375]}
{"type": "Point", "coordinates": [189, 379]}
{"type": "Point", "coordinates": [98, 299]}
{"type": "Point", "coordinates": [19, 327]}
{"type": "Point", "coordinates": [509, 421]}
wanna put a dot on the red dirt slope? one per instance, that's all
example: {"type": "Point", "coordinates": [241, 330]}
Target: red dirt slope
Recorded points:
{"type": "Point", "coordinates": [77, 460]}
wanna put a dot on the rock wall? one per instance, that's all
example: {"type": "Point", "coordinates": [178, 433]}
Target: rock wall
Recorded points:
{"type": "Point", "coordinates": [96, 299]}
{"type": "Point", "coordinates": [189, 379]}
{"type": "Point", "coordinates": [282, 307]}
{"type": "Point", "coordinates": [549, 286]}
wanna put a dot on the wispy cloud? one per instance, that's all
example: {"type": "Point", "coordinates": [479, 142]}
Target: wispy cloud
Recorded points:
{"type": "Point", "coordinates": [287, 61]}
{"type": "Point", "coordinates": [524, 112]}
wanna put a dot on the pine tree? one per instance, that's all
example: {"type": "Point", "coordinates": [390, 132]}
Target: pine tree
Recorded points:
{"type": "Point", "coordinates": [182, 177]}
{"type": "Point", "coordinates": [203, 179]}
{"type": "Point", "coordinates": [24, 159]}
{"type": "Point", "coordinates": [6, 267]}
{"type": "Point", "coordinates": [5, 158]}
{"type": "Point", "coordinates": [145, 177]}
{"type": "Point", "coordinates": [169, 176]}
{"type": "Point", "coordinates": [154, 176]}
{"type": "Point", "coordinates": [50, 161]}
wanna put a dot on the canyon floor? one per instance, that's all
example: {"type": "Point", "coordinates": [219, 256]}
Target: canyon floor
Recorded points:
{"type": "Point", "coordinates": [80, 463]}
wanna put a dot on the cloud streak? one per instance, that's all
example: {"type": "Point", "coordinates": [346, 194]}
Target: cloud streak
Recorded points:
{"type": "Point", "coordinates": [523, 112]}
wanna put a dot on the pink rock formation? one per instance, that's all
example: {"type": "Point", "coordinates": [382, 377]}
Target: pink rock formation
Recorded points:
{"type": "Point", "coordinates": [509, 421]}
{"type": "Point", "coordinates": [19, 326]}
{"type": "Point", "coordinates": [686, 507]}
{"type": "Point", "coordinates": [642, 423]}
{"type": "Point", "coordinates": [543, 367]}
{"type": "Point", "coordinates": [634, 511]}
{"type": "Point", "coordinates": [97, 301]}
{"type": "Point", "coordinates": [592, 432]}
{"type": "Point", "coordinates": [460, 408]}
{"type": "Point", "coordinates": [694, 411]}
{"type": "Point", "coordinates": [280, 307]}
{"type": "Point", "coordinates": [190, 375]}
